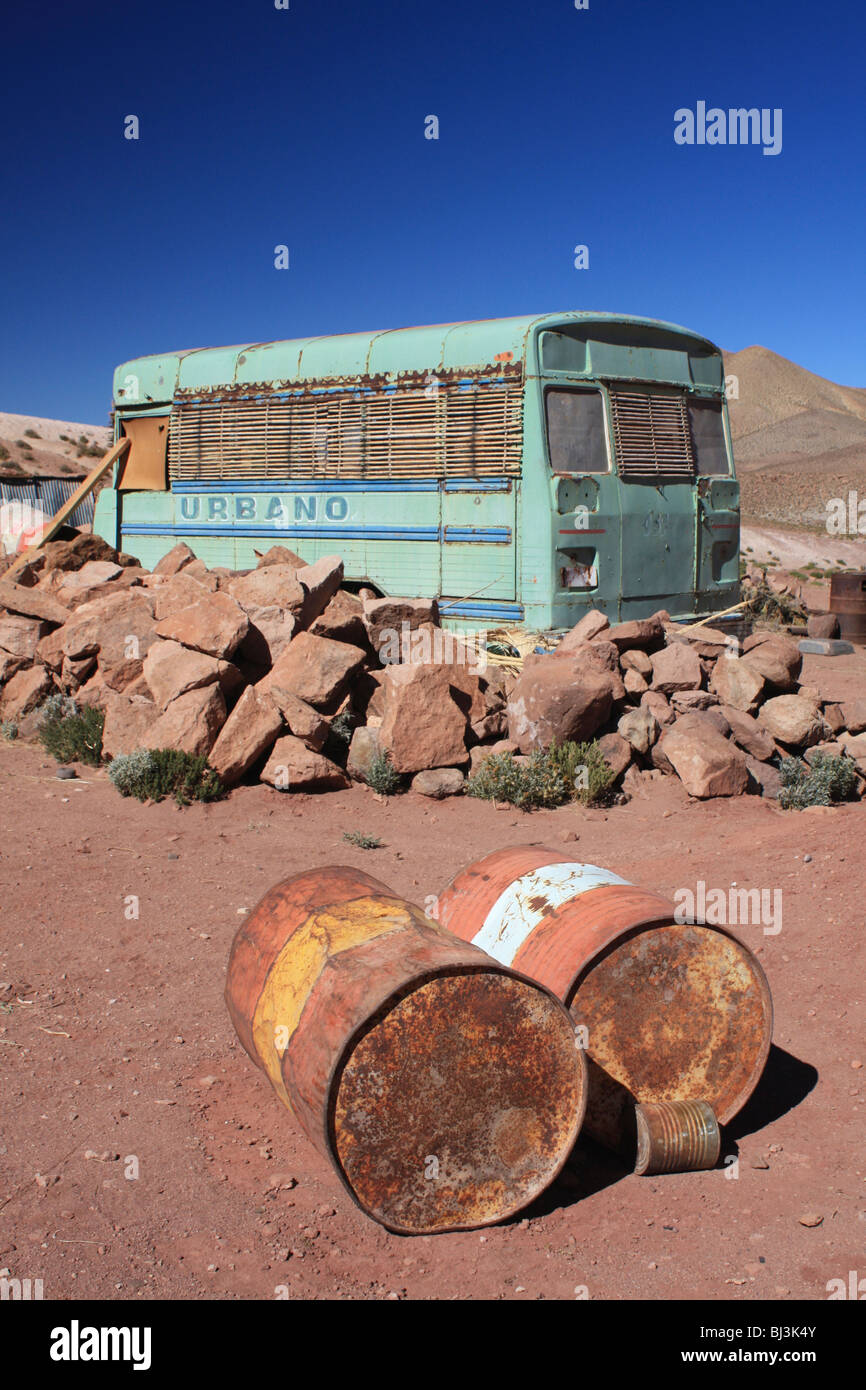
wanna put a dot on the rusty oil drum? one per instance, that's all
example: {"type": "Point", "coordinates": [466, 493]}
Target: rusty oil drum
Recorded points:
{"type": "Point", "coordinates": [667, 1011]}
{"type": "Point", "coordinates": [446, 1090]}
{"type": "Point", "coordinates": [848, 603]}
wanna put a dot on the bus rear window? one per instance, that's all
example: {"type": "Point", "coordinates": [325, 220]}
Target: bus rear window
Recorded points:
{"type": "Point", "coordinates": [575, 431]}
{"type": "Point", "coordinates": [708, 437]}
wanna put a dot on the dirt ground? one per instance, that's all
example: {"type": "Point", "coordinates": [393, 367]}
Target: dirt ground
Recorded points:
{"type": "Point", "coordinates": [142, 1155]}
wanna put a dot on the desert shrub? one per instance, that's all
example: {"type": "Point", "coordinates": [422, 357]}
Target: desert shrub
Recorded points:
{"type": "Point", "coordinates": [31, 434]}
{"type": "Point", "coordinates": [4, 454]}
{"type": "Point", "coordinates": [154, 774]}
{"type": "Point", "coordinates": [8, 730]}
{"type": "Point", "coordinates": [357, 837]}
{"type": "Point", "coordinates": [382, 776]}
{"type": "Point", "coordinates": [69, 734]}
{"type": "Point", "coordinates": [762, 603]}
{"type": "Point", "coordinates": [562, 773]}
{"type": "Point", "coordinates": [830, 779]}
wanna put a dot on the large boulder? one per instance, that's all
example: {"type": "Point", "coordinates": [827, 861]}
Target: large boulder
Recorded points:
{"type": "Point", "coordinates": [32, 603]}
{"type": "Point", "coordinates": [737, 683]}
{"type": "Point", "coordinates": [388, 620]}
{"type": "Point", "coordinates": [177, 592]}
{"type": "Point", "coordinates": [705, 761]}
{"type": "Point", "coordinates": [128, 720]}
{"type": "Point", "coordinates": [659, 705]}
{"type": "Point", "coordinates": [749, 734]}
{"type": "Point", "coordinates": [175, 560]}
{"type": "Point", "coordinates": [591, 625]}
{"type": "Point", "coordinates": [190, 723]}
{"type": "Point", "coordinates": [316, 669]}
{"type": "Point", "coordinates": [676, 667]}
{"type": "Point", "coordinates": [439, 782]}
{"type": "Point", "coordinates": [302, 720]}
{"type": "Point", "coordinates": [637, 660]}
{"type": "Point", "coordinates": [342, 620]}
{"type": "Point", "coordinates": [117, 627]}
{"type": "Point", "coordinates": [853, 714]}
{"type": "Point", "coordinates": [21, 636]}
{"type": "Point", "coordinates": [320, 581]}
{"type": "Point", "coordinates": [556, 700]}
{"type": "Point", "coordinates": [422, 726]}
{"type": "Point", "coordinates": [640, 729]}
{"type": "Point", "coordinates": [635, 684]}
{"type": "Point", "coordinates": [778, 660]}
{"type": "Point", "coordinates": [365, 747]}
{"type": "Point", "coordinates": [271, 586]}
{"type": "Point", "coordinates": [280, 555]}
{"type": "Point", "coordinates": [171, 670]}
{"type": "Point", "coordinates": [294, 767]}
{"type": "Point", "coordinates": [270, 632]}
{"type": "Point", "coordinates": [644, 632]}
{"type": "Point", "coordinates": [792, 720]}
{"type": "Point", "coordinates": [616, 751]}
{"type": "Point", "coordinates": [25, 691]}
{"type": "Point", "coordinates": [251, 728]}
{"type": "Point", "coordinates": [215, 624]}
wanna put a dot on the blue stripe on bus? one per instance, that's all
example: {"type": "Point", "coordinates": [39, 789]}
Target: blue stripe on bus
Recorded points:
{"type": "Point", "coordinates": [490, 535]}
{"type": "Point", "coordinates": [342, 485]}
{"type": "Point", "coordinates": [478, 609]}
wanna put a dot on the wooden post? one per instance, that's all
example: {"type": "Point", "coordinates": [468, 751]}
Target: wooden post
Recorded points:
{"type": "Point", "coordinates": [117, 451]}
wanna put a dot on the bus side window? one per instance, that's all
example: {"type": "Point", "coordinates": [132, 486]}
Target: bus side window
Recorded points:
{"type": "Point", "coordinates": [708, 437]}
{"type": "Point", "coordinates": [575, 431]}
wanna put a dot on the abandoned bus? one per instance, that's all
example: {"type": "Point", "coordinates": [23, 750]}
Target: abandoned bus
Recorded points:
{"type": "Point", "coordinates": [521, 470]}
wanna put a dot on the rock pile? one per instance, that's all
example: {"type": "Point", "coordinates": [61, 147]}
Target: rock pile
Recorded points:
{"type": "Point", "coordinates": [282, 674]}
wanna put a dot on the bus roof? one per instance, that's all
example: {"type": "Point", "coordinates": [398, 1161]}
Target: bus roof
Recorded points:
{"type": "Point", "coordinates": [152, 380]}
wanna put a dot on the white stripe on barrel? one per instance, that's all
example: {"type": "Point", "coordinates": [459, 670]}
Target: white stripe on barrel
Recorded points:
{"type": "Point", "coordinates": [511, 919]}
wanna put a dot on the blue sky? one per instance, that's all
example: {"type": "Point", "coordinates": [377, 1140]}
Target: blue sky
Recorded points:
{"type": "Point", "coordinates": [305, 127]}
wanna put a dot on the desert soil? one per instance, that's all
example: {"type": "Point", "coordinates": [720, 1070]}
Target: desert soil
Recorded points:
{"type": "Point", "coordinates": [115, 1046]}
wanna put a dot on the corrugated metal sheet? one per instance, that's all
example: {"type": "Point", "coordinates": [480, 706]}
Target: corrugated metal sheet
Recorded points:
{"type": "Point", "coordinates": [49, 494]}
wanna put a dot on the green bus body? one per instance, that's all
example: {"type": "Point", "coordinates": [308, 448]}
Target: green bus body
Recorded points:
{"type": "Point", "coordinates": [520, 470]}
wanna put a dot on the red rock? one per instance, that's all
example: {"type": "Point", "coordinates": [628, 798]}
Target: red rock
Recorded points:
{"type": "Point", "coordinates": [248, 732]}
{"type": "Point", "coordinates": [853, 715]}
{"type": "Point", "coordinates": [21, 636]}
{"type": "Point", "coordinates": [792, 720]}
{"type": "Point", "coordinates": [119, 627]}
{"type": "Point", "coordinates": [321, 581]}
{"type": "Point", "coordinates": [640, 729]}
{"type": "Point", "coordinates": [171, 670]}
{"type": "Point", "coordinates": [765, 777]}
{"type": "Point", "coordinates": [279, 555]}
{"type": "Point", "coordinates": [834, 716]}
{"type": "Point", "coordinates": [190, 723]}
{"type": "Point", "coordinates": [422, 726]}
{"type": "Point", "coordinates": [705, 761]}
{"type": "Point", "coordinates": [438, 782]}
{"type": "Point", "coordinates": [634, 683]}
{"type": "Point", "coordinates": [384, 619]}
{"type": "Point", "coordinates": [342, 620]}
{"type": "Point", "coordinates": [617, 752]}
{"type": "Point", "coordinates": [177, 559]}
{"type": "Point", "coordinates": [676, 667]}
{"type": "Point", "coordinates": [74, 673]}
{"type": "Point", "coordinates": [72, 554]}
{"type": "Point", "coordinates": [635, 660]}
{"type": "Point", "coordinates": [591, 625]}
{"type": "Point", "coordinates": [555, 701]}
{"type": "Point", "coordinates": [293, 766]}
{"type": "Point", "coordinates": [685, 700]}
{"type": "Point", "coordinates": [9, 665]}
{"type": "Point", "coordinates": [268, 587]}
{"type": "Point", "coordinates": [778, 660]}
{"type": "Point", "coordinates": [24, 691]}
{"type": "Point", "coordinates": [644, 632]}
{"type": "Point", "coordinates": [656, 702]}
{"type": "Point", "coordinates": [822, 625]}
{"type": "Point", "coordinates": [31, 603]}
{"type": "Point", "coordinates": [174, 594]}
{"type": "Point", "coordinates": [315, 669]}
{"type": "Point", "coordinates": [363, 749]}
{"type": "Point", "coordinates": [127, 722]}
{"type": "Point", "coordinates": [737, 683]}
{"type": "Point", "coordinates": [747, 732]}
{"type": "Point", "coordinates": [301, 719]}
{"type": "Point", "coordinates": [270, 632]}
{"type": "Point", "coordinates": [215, 625]}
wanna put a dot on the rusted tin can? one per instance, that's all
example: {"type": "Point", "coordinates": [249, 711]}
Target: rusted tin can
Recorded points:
{"type": "Point", "coordinates": [667, 1010]}
{"type": "Point", "coordinates": [446, 1089]}
{"type": "Point", "coordinates": [848, 602]}
{"type": "Point", "coordinates": [676, 1136]}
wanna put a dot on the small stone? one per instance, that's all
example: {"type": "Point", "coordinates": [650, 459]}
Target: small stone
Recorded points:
{"type": "Point", "coordinates": [810, 1218]}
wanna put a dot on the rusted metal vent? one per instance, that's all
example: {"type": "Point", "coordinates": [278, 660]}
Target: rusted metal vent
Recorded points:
{"type": "Point", "coordinates": [446, 1090]}
{"type": "Point", "coordinates": [848, 602]}
{"type": "Point", "coordinates": [451, 425]}
{"type": "Point", "coordinates": [667, 1011]}
{"type": "Point", "coordinates": [651, 433]}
